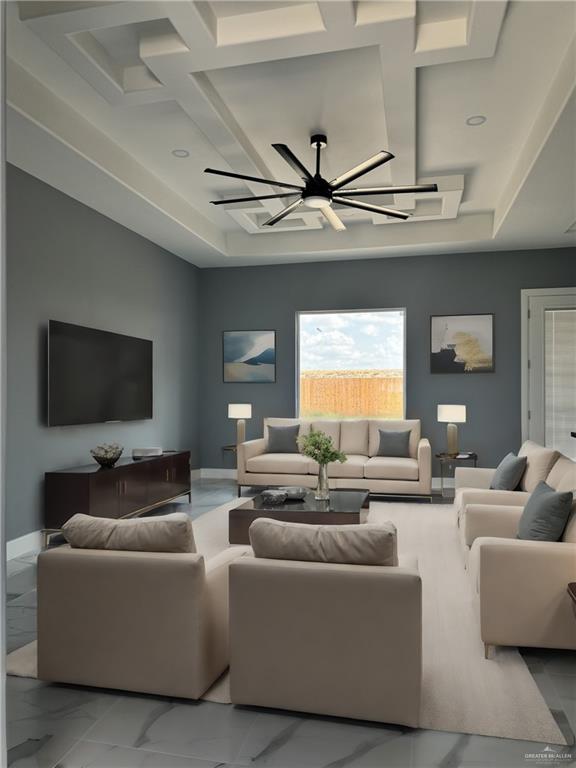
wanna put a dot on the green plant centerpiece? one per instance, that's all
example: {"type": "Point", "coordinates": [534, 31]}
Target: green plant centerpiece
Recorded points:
{"type": "Point", "coordinates": [318, 445]}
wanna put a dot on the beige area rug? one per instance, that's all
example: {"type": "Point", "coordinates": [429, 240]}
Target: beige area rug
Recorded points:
{"type": "Point", "coordinates": [23, 662]}
{"type": "Point", "coordinates": [462, 691]}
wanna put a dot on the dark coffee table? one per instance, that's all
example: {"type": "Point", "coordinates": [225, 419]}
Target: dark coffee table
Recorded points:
{"type": "Point", "coordinates": [345, 507]}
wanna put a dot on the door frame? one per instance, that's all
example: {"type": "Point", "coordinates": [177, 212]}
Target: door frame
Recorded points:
{"type": "Point", "coordinates": [525, 295]}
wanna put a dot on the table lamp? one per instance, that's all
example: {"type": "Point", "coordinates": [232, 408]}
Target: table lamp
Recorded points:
{"type": "Point", "coordinates": [452, 415]}
{"type": "Point", "coordinates": [241, 412]}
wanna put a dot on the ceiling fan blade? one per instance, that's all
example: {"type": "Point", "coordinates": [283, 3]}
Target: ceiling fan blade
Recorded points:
{"type": "Point", "coordinates": [372, 208]}
{"type": "Point", "coordinates": [333, 219]}
{"type": "Point", "coordinates": [293, 161]}
{"type": "Point", "coordinates": [283, 212]}
{"type": "Point", "coordinates": [250, 199]}
{"type": "Point", "coordinates": [252, 178]}
{"type": "Point", "coordinates": [359, 170]}
{"type": "Point", "coordinates": [405, 189]}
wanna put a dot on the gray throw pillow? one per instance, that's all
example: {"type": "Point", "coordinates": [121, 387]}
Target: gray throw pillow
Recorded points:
{"type": "Point", "coordinates": [394, 443]}
{"type": "Point", "coordinates": [283, 439]}
{"type": "Point", "coordinates": [509, 473]}
{"type": "Point", "coordinates": [545, 514]}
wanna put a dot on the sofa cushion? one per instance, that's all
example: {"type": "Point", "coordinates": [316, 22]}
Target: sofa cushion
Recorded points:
{"type": "Point", "coordinates": [279, 464]}
{"type": "Point", "coordinates": [545, 515]}
{"type": "Point", "coordinates": [283, 439]}
{"type": "Point", "coordinates": [394, 443]}
{"type": "Point", "coordinates": [166, 533]}
{"type": "Point", "coordinates": [274, 421]}
{"type": "Point", "coordinates": [391, 468]}
{"type": "Point", "coordinates": [352, 467]}
{"type": "Point", "coordinates": [354, 437]}
{"type": "Point", "coordinates": [562, 467]}
{"type": "Point", "coordinates": [398, 425]}
{"type": "Point", "coordinates": [365, 544]}
{"type": "Point", "coordinates": [538, 465]}
{"type": "Point", "coordinates": [508, 473]}
{"type": "Point", "coordinates": [330, 428]}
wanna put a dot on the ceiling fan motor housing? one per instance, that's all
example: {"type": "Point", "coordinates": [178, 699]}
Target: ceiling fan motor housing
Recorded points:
{"type": "Point", "coordinates": [317, 193]}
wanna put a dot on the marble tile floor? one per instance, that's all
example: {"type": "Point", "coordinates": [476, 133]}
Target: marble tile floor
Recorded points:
{"type": "Point", "coordinates": [58, 726]}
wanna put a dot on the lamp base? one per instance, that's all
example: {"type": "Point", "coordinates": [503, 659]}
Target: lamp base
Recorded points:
{"type": "Point", "coordinates": [451, 439]}
{"type": "Point", "coordinates": [240, 431]}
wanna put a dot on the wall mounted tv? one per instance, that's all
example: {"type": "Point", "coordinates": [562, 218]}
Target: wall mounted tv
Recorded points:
{"type": "Point", "coordinates": [97, 376]}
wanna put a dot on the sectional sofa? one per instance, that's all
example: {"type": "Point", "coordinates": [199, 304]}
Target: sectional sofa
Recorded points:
{"type": "Point", "coordinates": [520, 585]}
{"type": "Point", "coordinates": [359, 440]}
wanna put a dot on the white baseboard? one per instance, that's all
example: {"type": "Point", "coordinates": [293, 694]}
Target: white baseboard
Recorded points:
{"type": "Point", "coordinates": [217, 473]}
{"type": "Point", "coordinates": [30, 542]}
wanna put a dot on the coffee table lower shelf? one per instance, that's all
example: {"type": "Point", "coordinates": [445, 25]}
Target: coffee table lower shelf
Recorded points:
{"type": "Point", "coordinates": [345, 507]}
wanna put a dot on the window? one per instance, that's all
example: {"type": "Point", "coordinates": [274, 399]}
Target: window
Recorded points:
{"type": "Point", "coordinates": [351, 364]}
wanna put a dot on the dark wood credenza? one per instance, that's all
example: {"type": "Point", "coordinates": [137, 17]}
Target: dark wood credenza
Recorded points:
{"type": "Point", "coordinates": [131, 487]}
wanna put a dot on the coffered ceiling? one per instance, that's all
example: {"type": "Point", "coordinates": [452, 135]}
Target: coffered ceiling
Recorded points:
{"type": "Point", "coordinates": [101, 93]}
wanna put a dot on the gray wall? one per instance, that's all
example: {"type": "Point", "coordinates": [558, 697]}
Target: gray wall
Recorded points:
{"type": "Point", "coordinates": [268, 297]}
{"type": "Point", "coordinates": [69, 263]}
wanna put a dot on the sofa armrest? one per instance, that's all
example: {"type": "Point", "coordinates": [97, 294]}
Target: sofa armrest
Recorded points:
{"type": "Point", "coordinates": [467, 496]}
{"type": "Point", "coordinates": [523, 598]}
{"type": "Point", "coordinates": [473, 477]}
{"type": "Point", "coordinates": [425, 465]}
{"type": "Point", "coordinates": [248, 450]}
{"type": "Point", "coordinates": [490, 520]}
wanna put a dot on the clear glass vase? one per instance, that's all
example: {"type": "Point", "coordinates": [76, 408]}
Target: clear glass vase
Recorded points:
{"type": "Point", "coordinates": [322, 489]}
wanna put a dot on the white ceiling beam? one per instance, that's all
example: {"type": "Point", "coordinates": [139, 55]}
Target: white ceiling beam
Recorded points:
{"type": "Point", "coordinates": [360, 239]}
{"type": "Point", "coordinates": [474, 36]}
{"type": "Point", "coordinates": [552, 140]}
{"type": "Point", "coordinates": [28, 97]}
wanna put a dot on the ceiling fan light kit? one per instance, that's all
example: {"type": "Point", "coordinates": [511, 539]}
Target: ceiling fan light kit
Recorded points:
{"type": "Point", "coordinates": [318, 193]}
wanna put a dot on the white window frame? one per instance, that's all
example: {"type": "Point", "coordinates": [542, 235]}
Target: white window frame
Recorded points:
{"type": "Point", "coordinates": [526, 295]}
{"type": "Point", "coordinates": [343, 312]}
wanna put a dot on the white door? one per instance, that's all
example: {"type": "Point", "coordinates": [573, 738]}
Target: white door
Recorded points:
{"type": "Point", "coordinates": [549, 368]}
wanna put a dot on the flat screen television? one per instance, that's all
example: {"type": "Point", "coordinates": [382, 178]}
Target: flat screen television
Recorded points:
{"type": "Point", "coordinates": [97, 376]}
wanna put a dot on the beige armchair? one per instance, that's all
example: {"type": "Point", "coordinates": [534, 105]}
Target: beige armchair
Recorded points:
{"type": "Point", "coordinates": [150, 622]}
{"type": "Point", "coordinates": [521, 589]}
{"type": "Point", "coordinates": [343, 640]}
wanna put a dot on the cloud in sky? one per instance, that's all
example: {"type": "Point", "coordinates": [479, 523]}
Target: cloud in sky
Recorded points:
{"type": "Point", "coordinates": [358, 340]}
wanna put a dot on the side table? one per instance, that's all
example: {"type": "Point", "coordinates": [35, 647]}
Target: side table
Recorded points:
{"type": "Point", "coordinates": [448, 460]}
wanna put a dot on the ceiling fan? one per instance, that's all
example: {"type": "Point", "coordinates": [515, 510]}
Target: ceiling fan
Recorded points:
{"type": "Point", "coordinates": [321, 194]}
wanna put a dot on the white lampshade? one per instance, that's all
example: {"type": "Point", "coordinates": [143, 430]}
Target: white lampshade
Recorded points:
{"type": "Point", "coordinates": [453, 414]}
{"type": "Point", "coordinates": [239, 411]}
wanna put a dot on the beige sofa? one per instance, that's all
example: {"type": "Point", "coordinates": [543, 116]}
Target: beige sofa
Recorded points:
{"type": "Point", "coordinates": [359, 440]}
{"type": "Point", "coordinates": [149, 622]}
{"type": "Point", "coordinates": [520, 585]}
{"type": "Point", "coordinates": [332, 639]}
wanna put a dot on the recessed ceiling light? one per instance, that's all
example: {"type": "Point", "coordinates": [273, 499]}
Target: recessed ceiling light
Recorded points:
{"type": "Point", "coordinates": [476, 120]}
{"type": "Point", "coordinates": [180, 153]}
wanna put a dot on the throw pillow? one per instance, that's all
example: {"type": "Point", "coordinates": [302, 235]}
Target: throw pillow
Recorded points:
{"type": "Point", "coordinates": [545, 515]}
{"type": "Point", "coordinates": [394, 443]}
{"type": "Point", "coordinates": [283, 439]}
{"type": "Point", "coordinates": [365, 544]}
{"type": "Point", "coordinates": [166, 533]}
{"type": "Point", "coordinates": [508, 473]}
